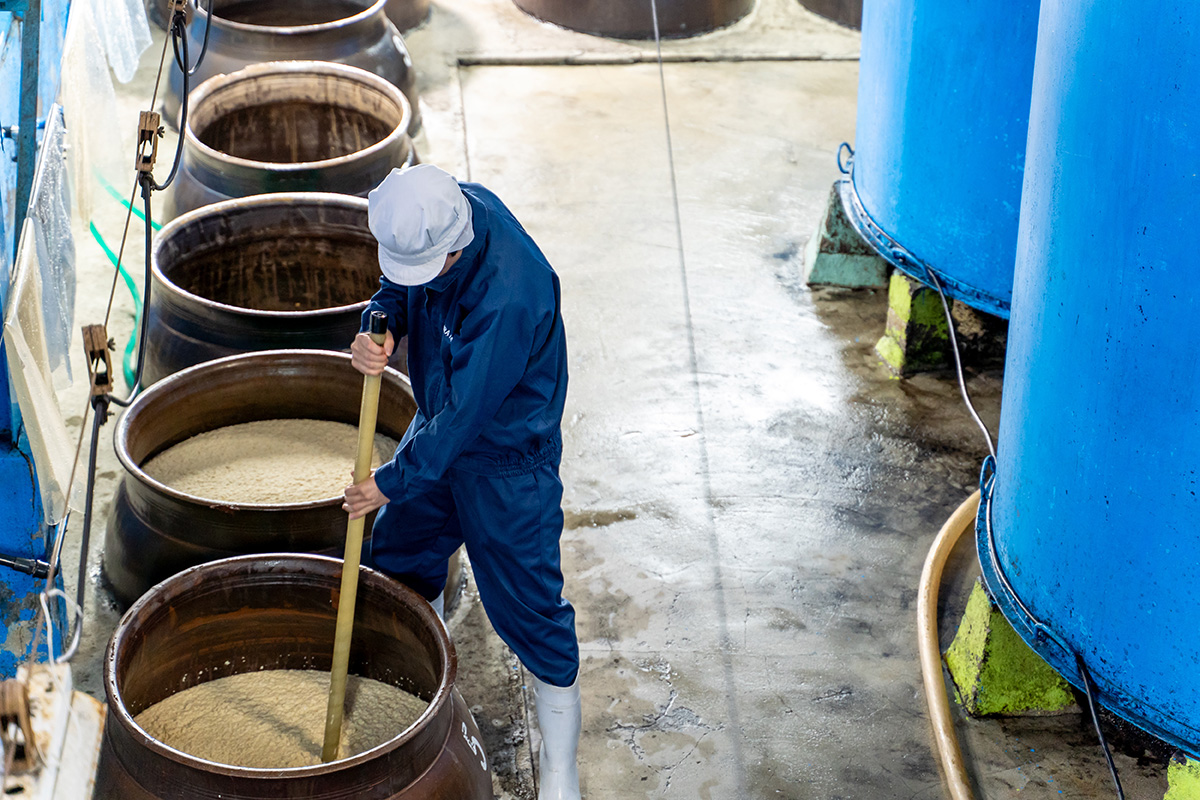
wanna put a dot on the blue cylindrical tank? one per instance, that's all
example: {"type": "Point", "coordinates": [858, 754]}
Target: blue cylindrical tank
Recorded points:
{"type": "Point", "coordinates": [943, 105]}
{"type": "Point", "coordinates": [1095, 506]}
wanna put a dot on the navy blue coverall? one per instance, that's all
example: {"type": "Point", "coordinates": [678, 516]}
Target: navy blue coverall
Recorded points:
{"type": "Point", "coordinates": [479, 464]}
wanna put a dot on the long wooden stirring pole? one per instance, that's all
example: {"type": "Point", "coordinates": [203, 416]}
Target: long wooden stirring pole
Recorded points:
{"type": "Point", "coordinates": [354, 537]}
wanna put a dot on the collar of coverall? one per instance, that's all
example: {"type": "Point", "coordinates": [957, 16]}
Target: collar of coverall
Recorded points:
{"type": "Point", "coordinates": [470, 253]}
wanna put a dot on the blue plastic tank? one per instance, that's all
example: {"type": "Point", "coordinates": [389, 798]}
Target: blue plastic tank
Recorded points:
{"type": "Point", "coordinates": [1095, 502]}
{"type": "Point", "coordinates": [943, 106]}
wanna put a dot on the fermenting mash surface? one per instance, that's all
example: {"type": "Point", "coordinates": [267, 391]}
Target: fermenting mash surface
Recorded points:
{"type": "Point", "coordinates": [275, 719]}
{"type": "Point", "coordinates": [265, 461]}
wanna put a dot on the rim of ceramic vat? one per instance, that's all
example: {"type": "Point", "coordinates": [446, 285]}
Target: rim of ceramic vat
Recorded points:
{"type": "Point", "coordinates": [376, 7]}
{"type": "Point", "coordinates": [167, 591]}
{"type": "Point", "coordinates": [709, 18]}
{"type": "Point", "coordinates": [167, 391]}
{"type": "Point", "coordinates": [239, 206]}
{"type": "Point", "coordinates": [210, 91]}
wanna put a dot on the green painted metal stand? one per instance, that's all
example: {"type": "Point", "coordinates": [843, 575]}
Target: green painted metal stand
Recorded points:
{"type": "Point", "coordinates": [917, 338]}
{"type": "Point", "coordinates": [995, 672]}
{"type": "Point", "coordinates": [837, 255]}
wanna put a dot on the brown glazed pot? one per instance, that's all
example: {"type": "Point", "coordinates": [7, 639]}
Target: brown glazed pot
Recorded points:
{"type": "Point", "coordinates": [269, 272]}
{"type": "Point", "coordinates": [278, 611]}
{"type": "Point", "coordinates": [244, 32]}
{"type": "Point", "coordinates": [296, 126]}
{"type": "Point", "coordinates": [631, 19]}
{"type": "Point", "coordinates": [155, 531]}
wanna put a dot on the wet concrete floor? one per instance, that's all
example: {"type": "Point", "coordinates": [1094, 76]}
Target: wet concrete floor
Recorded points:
{"type": "Point", "coordinates": [749, 494]}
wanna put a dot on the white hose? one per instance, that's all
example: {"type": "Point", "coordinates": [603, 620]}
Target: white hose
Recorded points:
{"type": "Point", "coordinates": [930, 653]}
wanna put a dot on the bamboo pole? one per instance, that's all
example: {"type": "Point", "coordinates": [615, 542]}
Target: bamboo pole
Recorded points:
{"type": "Point", "coordinates": [367, 415]}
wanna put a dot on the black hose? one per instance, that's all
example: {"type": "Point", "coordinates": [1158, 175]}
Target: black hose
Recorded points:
{"type": "Point", "coordinates": [204, 46]}
{"type": "Point", "coordinates": [1088, 687]}
{"type": "Point", "coordinates": [147, 184]}
{"type": "Point", "coordinates": [100, 409]}
{"type": "Point", "coordinates": [179, 42]}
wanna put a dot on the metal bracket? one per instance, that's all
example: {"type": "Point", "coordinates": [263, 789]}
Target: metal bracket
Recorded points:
{"type": "Point", "coordinates": [20, 746]}
{"type": "Point", "coordinates": [25, 131]}
{"type": "Point", "coordinates": [149, 131]}
{"type": "Point", "coordinates": [97, 344]}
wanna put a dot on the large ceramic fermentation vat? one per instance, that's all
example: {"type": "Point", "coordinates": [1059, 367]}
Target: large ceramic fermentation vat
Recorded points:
{"type": "Point", "coordinates": [943, 108]}
{"type": "Point", "coordinates": [404, 14]}
{"type": "Point", "coordinates": [278, 612]}
{"type": "Point", "coordinates": [269, 272]}
{"type": "Point", "coordinates": [354, 32]}
{"type": "Point", "coordinates": [1095, 496]}
{"type": "Point", "coordinates": [155, 530]}
{"type": "Point", "coordinates": [290, 127]}
{"type": "Point", "coordinates": [845, 12]}
{"type": "Point", "coordinates": [632, 19]}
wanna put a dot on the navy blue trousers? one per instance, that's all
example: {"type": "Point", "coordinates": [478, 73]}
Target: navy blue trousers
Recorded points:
{"type": "Point", "coordinates": [511, 525]}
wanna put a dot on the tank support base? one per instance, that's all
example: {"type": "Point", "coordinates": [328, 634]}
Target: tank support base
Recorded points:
{"type": "Point", "coordinates": [837, 255]}
{"type": "Point", "coordinates": [995, 672]}
{"type": "Point", "coordinates": [1183, 779]}
{"type": "Point", "coordinates": [916, 338]}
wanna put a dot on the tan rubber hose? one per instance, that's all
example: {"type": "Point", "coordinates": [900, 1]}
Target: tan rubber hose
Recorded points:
{"type": "Point", "coordinates": [367, 415]}
{"type": "Point", "coordinates": [930, 653]}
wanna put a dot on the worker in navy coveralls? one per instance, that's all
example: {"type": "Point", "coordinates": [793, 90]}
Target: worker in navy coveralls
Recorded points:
{"type": "Point", "coordinates": [479, 464]}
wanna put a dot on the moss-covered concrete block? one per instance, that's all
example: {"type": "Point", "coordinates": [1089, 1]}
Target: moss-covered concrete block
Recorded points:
{"type": "Point", "coordinates": [837, 255]}
{"type": "Point", "coordinates": [917, 337]}
{"type": "Point", "coordinates": [1183, 780]}
{"type": "Point", "coordinates": [995, 672]}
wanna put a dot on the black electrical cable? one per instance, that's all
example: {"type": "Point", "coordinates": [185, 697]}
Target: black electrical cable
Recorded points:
{"type": "Point", "coordinates": [147, 186]}
{"type": "Point", "coordinates": [204, 46]}
{"type": "Point", "coordinates": [1087, 688]}
{"type": "Point", "coordinates": [181, 59]}
{"type": "Point", "coordinates": [179, 42]}
{"type": "Point", "coordinates": [986, 486]}
{"type": "Point", "coordinates": [100, 407]}
{"type": "Point", "coordinates": [27, 566]}
{"type": "Point", "coordinates": [962, 383]}
{"type": "Point", "coordinates": [177, 31]}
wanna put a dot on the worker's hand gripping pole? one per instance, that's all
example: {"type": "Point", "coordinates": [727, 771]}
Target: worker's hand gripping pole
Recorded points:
{"type": "Point", "coordinates": [354, 538]}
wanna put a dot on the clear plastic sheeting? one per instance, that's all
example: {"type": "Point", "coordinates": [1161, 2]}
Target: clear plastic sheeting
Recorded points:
{"type": "Point", "coordinates": [124, 30]}
{"type": "Point", "coordinates": [100, 146]}
{"type": "Point", "coordinates": [38, 321]}
{"type": "Point", "coordinates": [50, 209]}
{"type": "Point", "coordinates": [50, 50]}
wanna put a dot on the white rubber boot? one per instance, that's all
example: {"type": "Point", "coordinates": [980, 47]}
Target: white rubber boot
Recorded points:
{"type": "Point", "coordinates": [439, 605]}
{"type": "Point", "coordinates": [560, 717]}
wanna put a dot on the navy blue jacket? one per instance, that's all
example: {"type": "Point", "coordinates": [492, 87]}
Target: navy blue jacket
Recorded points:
{"type": "Point", "coordinates": [487, 356]}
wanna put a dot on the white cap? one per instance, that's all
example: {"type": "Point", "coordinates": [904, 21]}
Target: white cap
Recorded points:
{"type": "Point", "coordinates": [418, 215]}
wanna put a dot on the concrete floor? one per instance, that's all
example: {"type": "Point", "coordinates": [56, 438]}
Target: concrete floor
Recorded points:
{"type": "Point", "coordinates": [749, 494]}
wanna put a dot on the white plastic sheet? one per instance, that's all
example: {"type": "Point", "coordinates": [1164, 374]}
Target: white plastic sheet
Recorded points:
{"type": "Point", "coordinates": [124, 31]}
{"type": "Point", "coordinates": [100, 140]}
{"type": "Point", "coordinates": [38, 322]}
